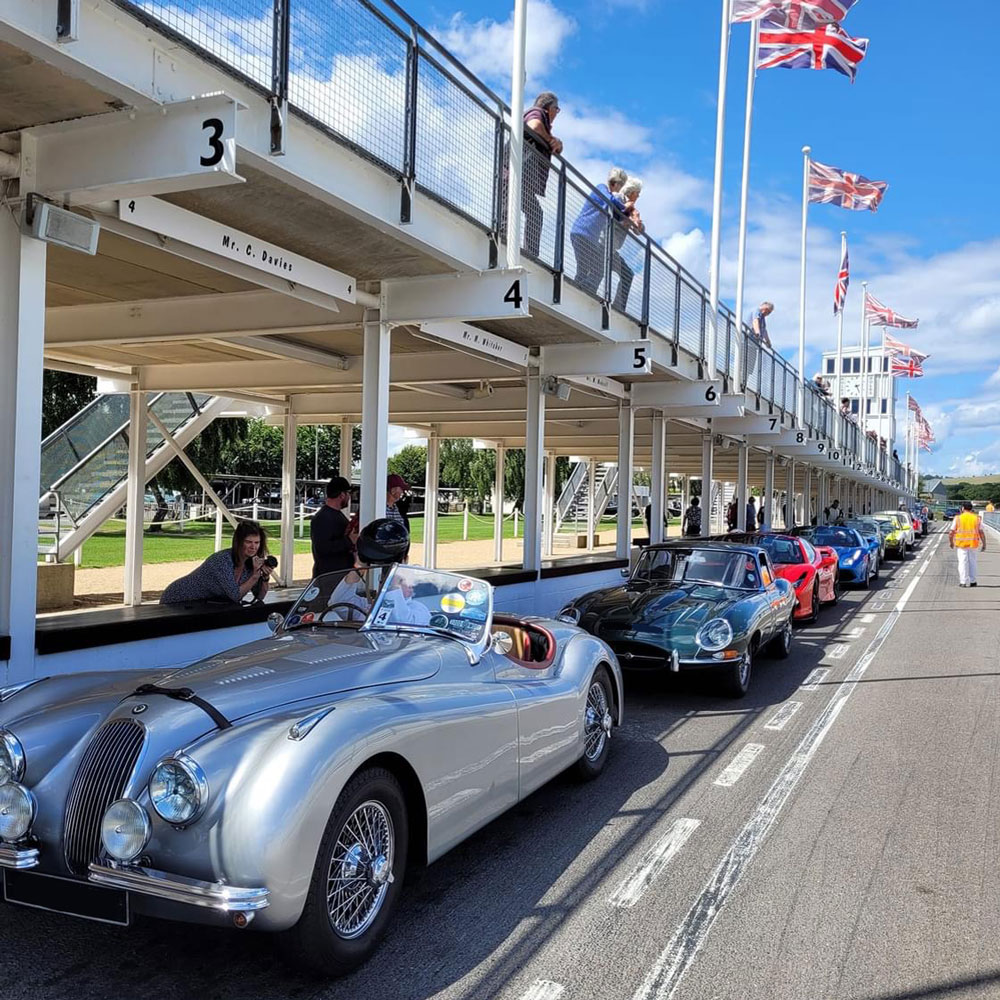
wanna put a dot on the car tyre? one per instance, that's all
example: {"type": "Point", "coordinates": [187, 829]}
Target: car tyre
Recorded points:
{"type": "Point", "coordinates": [738, 674]}
{"type": "Point", "coordinates": [878, 567]}
{"type": "Point", "coordinates": [814, 616]}
{"type": "Point", "coordinates": [836, 589]}
{"type": "Point", "coordinates": [369, 816]}
{"type": "Point", "coordinates": [597, 726]}
{"type": "Point", "coordinates": [781, 644]}
{"type": "Point", "coordinates": [867, 581]}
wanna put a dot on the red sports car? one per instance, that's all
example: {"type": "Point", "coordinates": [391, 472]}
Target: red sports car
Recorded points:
{"type": "Point", "coordinates": [810, 569]}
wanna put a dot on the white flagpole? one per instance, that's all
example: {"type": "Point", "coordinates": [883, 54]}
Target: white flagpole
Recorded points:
{"type": "Point", "coordinates": [711, 334]}
{"type": "Point", "coordinates": [840, 345]}
{"type": "Point", "coordinates": [865, 374]}
{"type": "Point", "coordinates": [514, 176]}
{"type": "Point", "coordinates": [744, 192]}
{"type": "Point", "coordinates": [861, 346]}
{"type": "Point", "coordinates": [806, 150]}
{"type": "Point", "coordinates": [906, 470]}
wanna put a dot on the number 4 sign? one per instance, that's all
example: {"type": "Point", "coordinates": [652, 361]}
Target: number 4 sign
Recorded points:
{"type": "Point", "coordinates": [468, 296]}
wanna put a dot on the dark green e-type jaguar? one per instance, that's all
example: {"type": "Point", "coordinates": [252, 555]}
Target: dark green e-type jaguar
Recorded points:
{"type": "Point", "coordinates": [693, 604]}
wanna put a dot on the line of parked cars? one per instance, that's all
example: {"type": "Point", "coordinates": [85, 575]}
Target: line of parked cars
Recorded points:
{"type": "Point", "coordinates": [290, 783]}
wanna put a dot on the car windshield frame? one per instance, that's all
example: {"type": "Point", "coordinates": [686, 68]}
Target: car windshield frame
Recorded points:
{"type": "Point", "coordinates": [813, 533]}
{"type": "Point", "coordinates": [671, 577]}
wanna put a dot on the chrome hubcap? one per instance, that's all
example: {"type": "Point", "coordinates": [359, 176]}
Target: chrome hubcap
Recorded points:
{"type": "Point", "coordinates": [360, 869]}
{"type": "Point", "coordinates": [745, 667]}
{"type": "Point", "coordinates": [597, 723]}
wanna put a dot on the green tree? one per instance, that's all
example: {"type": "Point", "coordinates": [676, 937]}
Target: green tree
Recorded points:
{"type": "Point", "coordinates": [410, 462]}
{"type": "Point", "coordinates": [63, 395]}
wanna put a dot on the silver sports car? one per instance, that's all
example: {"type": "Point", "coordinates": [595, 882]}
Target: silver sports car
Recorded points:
{"type": "Point", "coordinates": [289, 782]}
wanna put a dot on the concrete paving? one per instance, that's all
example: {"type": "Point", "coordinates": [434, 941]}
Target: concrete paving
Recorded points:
{"type": "Point", "coordinates": [851, 854]}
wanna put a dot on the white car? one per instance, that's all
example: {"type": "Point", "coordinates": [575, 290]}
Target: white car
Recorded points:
{"type": "Point", "coordinates": [907, 523]}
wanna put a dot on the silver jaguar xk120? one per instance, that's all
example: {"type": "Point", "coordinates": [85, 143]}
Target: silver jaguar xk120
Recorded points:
{"type": "Point", "coordinates": [289, 782]}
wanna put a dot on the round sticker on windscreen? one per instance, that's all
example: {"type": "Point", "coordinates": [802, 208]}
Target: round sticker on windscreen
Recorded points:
{"type": "Point", "coordinates": [452, 603]}
{"type": "Point", "coordinates": [465, 585]}
{"type": "Point", "coordinates": [307, 618]}
{"type": "Point", "coordinates": [293, 621]}
{"type": "Point", "coordinates": [475, 597]}
{"type": "Point", "coordinates": [311, 594]}
{"type": "Point", "coordinates": [438, 621]}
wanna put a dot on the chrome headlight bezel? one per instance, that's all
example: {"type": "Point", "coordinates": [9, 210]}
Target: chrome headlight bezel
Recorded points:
{"type": "Point", "coordinates": [570, 615]}
{"type": "Point", "coordinates": [713, 646]}
{"type": "Point", "coordinates": [131, 811]}
{"type": "Point", "coordinates": [12, 759]}
{"type": "Point", "coordinates": [198, 781]}
{"type": "Point", "coordinates": [25, 799]}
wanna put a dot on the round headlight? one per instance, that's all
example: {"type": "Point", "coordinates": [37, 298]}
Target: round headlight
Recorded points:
{"type": "Point", "coordinates": [11, 758]}
{"type": "Point", "coordinates": [178, 790]}
{"type": "Point", "coordinates": [125, 830]}
{"type": "Point", "coordinates": [17, 810]}
{"type": "Point", "coordinates": [715, 635]}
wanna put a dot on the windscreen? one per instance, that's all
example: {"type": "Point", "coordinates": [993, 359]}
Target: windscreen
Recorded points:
{"type": "Point", "coordinates": [717, 567]}
{"type": "Point", "coordinates": [783, 551]}
{"type": "Point", "coordinates": [839, 538]}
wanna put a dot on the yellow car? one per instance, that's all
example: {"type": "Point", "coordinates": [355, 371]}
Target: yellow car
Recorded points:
{"type": "Point", "coordinates": [896, 540]}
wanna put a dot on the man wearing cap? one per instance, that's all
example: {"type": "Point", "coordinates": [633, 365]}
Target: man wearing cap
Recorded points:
{"type": "Point", "coordinates": [332, 540]}
{"type": "Point", "coordinates": [967, 536]}
{"type": "Point", "coordinates": [396, 505]}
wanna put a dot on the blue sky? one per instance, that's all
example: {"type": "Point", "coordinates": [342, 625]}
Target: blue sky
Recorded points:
{"type": "Point", "coordinates": [637, 83]}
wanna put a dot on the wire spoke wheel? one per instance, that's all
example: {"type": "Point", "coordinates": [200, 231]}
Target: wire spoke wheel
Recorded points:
{"type": "Point", "coordinates": [360, 869]}
{"type": "Point", "coordinates": [597, 720]}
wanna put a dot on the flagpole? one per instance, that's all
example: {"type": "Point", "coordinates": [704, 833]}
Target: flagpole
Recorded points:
{"type": "Point", "coordinates": [806, 150]}
{"type": "Point", "coordinates": [861, 346]}
{"type": "Point", "coordinates": [906, 469]}
{"type": "Point", "coordinates": [865, 365]}
{"type": "Point", "coordinates": [840, 344]}
{"type": "Point", "coordinates": [711, 334]}
{"type": "Point", "coordinates": [744, 193]}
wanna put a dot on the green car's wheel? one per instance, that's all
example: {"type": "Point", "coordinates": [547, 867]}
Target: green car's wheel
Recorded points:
{"type": "Point", "coordinates": [781, 644]}
{"type": "Point", "coordinates": [738, 674]}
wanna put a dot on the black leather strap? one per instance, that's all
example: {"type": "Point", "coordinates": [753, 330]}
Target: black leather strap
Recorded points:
{"type": "Point", "coordinates": [186, 694]}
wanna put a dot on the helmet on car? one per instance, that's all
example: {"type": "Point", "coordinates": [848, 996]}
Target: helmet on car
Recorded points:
{"type": "Point", "coordinates": [383, 541]}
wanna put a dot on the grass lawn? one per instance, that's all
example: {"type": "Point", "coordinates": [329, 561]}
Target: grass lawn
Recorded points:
{"type": "Point", "coordinates": [197, 541]}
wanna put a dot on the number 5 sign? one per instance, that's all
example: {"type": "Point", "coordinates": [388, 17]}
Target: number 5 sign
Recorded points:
{"type": "Point", "coordinates": [126, 155]}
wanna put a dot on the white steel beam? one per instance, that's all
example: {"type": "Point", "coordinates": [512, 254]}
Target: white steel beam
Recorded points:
{"type": "Point", "coordinates": [626, 456]}
{"type": "Point", "coordinates": [498, 493]}
{"type": "Point", "coordinates": [280, 347]}
{"type": "Point", "coordinates": [743, 489]}
{"type": "Point", "coordinates": [431, 482]}
{"type": "Point", "coordinates": [465, 296]}
{"type": "Point", "coordinates": [707, 479]}
{"type": "Point", "coordinates": [658, 479]}
{"type": "Point", "coordinates": [685, 396]}
{"type": "Point", "coordinates": [346, 456]}
{"type": "Point", "coordinates": [286, 564]}
{"type": "Point", "coordinates": [374, 417]}
{"type": "Point", "coordinates": [135, 502]}
{"type": "Point", "coordinates": [478, 341]}
{"type": "Point", "coordinates": [768, 498]}
{"type": "Point", "coordinates": [534, 448]}
{"type": "Point", "coordinates": [22, 332]}
{"type": "Point", "coordinates": [627, 358]}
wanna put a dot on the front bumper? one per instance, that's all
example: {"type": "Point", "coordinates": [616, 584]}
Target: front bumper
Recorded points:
{"type": "Point", "coordinates": [18, 858]}
{"type": "Point", "coordinates": [178, 888]}
{"type": "Point", "coordinates": [853, 574]}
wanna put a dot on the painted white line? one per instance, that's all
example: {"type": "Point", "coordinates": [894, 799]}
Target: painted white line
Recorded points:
{"type": "Point", "coordinates": [837, 652]}
{"type": "Point", "coordinates": [780, 718]}
{"type": "Point", "coordinates": [814, 680]}
{"type": "Point", "coordinates": [738, 765]}
{"type": "Point", "coordinates": [657, 858]}
{"type": "Point", "coordinates": [676, 958]}
{"type": "Point", "coordinates": [856, 633]}
{"type": "Point", "coordinates": [866, 619]}
{"type": "Point", "coordinates": [878, 605]}
{"type": "Point", "coordinates": [543, 989]}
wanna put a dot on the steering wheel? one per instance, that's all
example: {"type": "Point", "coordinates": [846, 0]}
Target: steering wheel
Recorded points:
{"type": "Point", "coordinates": [352, 609]}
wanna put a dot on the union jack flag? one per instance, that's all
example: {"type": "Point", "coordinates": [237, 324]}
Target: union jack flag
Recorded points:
{"type": "Point", "coordinates": [830, 186]}
{"type": "Point", "coordinates": [906, 367]}
{"type": "Point", "coordinates": [915, 406]}
{"type": "Point", "coordinates": [925, 436]}
{"type": "Point", "coordinates": [792, 13]}
{"type": "Point", "coordinates": [898, 347]}
{"type": "Point", "coordinates": [827, 46]}
{"type": "Point", "coordinates": [880, 315]}
{"type": "Point", "coordinates": [843, 280]}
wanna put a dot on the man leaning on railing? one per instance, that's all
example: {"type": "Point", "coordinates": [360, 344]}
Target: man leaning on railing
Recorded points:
{"type": "Point", "coordinates": [538, 121]}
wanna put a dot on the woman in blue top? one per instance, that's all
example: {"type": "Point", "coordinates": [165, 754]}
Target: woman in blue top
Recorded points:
{"type": "Point", "coordinates": [588, 232]}
{"type": "Point", "coordinates": [231, 573]}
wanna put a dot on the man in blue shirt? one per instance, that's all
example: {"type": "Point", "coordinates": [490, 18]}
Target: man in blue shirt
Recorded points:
{"type": "Point", "coordinates": [588, 232]}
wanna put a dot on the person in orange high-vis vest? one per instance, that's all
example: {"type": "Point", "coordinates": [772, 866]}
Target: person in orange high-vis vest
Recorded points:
{"type": "Point", "coordinates": [967, 536]}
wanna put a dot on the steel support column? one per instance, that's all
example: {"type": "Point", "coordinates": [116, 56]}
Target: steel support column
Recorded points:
{"type": "Point", "coordinates": [768, 498]}
{"type": "Point", "coordinates": [135, 493]}
{"type": "Point", "coordinates": [626, 435]}
{"type": "Point", "coordinates": [431, 479]}
{"type": "Point", "coordinates": [591, 486]}
{"type": "Point", "coordinates": [346, 457]}
{"type": "Point", "coordinates": [789, 512]}
{"type": "Point", "coordinates": [22, 336]}
{"type": "Point", "coordinates": [498, 489]}
{"type": "Point", "coordinates": [549, 500]}
{"type": "Point", "coordinates": [534, 447]}
{"type": "Point", "coordinates": [707, 457]}
{"type": "Point", "coordinates": [286, 561]}
{"type": "Point", "coordinates": [658, 479]}
{"type": "Point", "coordinates": [374, 416]}
{"type": "Point", "coordinates": [743, 489]}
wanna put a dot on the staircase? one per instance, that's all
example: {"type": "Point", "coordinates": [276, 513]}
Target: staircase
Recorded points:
{"type": "Point", "coordinates": [85, 462]}
{"type": "Point", "coordinates": [573, 503]}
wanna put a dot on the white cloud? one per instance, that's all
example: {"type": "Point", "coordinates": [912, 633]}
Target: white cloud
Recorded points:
{"type": "Point", "coordinates": [689, 249]}
{"type": "Point", "coordinates": [486, 46]}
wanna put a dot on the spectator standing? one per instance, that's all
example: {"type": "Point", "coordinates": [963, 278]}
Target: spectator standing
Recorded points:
{"type": "Point", "coordinates": [751, 514]}
{"type": "Point", "coordinates": [691, 522]}
{"type": "Point", "coordinates": [758, 337]}
{"type": "Point", "coordinates": [967, 536]}
{"type": "Point", "coordinates": [587, 234]}
{"type": "Point", "coordinates": [762, 516]}
{"type": "Point", "coordinates": [332, 538]}
{"type": "Point", "coordinates": [396, 505]}
{"type": "Point", "coordinates": [734, 506]}
{"type": "Point", "coordinates": [630, 219]}
{"type": "Point", "coordinates": [538, 150]}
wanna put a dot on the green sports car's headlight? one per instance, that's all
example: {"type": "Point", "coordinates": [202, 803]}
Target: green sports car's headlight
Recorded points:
{"type": "Point", "coordinates": [714, 635]}
{"type": "Point", "coordinates": [178, 790]}
{"type": "Point", "coordinates": [11, 758]}
{"type": "Point", "coordinates": [570, 615]}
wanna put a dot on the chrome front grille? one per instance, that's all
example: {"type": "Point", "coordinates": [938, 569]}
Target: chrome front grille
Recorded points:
{"type": "Point", "coordinates": [100, 780]}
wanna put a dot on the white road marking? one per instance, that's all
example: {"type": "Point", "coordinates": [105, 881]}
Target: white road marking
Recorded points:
{"type": "Point", "coordinates": [878, 605]}
{"type": "Point", "coordinates": [814, 680]}
{"type": "Point", "coordinates": [543, 989]}
{"type": "Point", "coordinates": [856, 633]}
{"type": "Point", "coordinates": [866, 619]}
{"type": "Point", "coordinates": [657, 858]}
{"type": "Point", "coordinates": [738, 765]}
{"type": "Point", "coordinates": [780, 718]}
{"type": "Point", "coordinates": [676, 958]}
{"type": "Point", "coordinates": [836, 652]}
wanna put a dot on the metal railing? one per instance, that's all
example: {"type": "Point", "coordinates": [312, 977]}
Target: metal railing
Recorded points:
{"type": "Point", "coordinates": [368, 75]}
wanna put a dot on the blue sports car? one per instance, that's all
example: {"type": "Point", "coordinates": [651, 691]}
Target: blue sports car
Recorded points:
{"type": "Point", "coordinates": [856, 564]}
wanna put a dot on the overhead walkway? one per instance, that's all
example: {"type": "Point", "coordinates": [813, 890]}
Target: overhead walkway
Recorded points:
{"type": "Point", "coordinates": [85, 462]}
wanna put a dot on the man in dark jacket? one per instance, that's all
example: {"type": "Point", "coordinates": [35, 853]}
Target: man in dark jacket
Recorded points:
{"type": "Point", "coordinates": [332, 541]}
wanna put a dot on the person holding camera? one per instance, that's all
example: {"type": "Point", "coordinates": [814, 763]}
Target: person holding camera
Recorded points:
{"type": "Point", "coordinates": [229, 574]}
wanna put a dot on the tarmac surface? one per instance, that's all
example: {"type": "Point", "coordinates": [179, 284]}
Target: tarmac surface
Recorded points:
{"type": "Point", "coordinates": [833, 836]}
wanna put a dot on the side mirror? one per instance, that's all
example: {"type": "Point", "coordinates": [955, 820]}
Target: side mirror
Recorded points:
{"type": "Point", "coordinates": [502, 643]}
{"type": "Point", "coordinates": [275, 621]}
{"type": "Point", "coordinates": [625, 574]}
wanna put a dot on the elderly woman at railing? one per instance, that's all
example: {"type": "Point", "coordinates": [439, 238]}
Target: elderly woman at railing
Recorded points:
{"type": "Point", "coordinates": [631, 220]}
{"type": "Point", "coordinates": [587, 234]}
